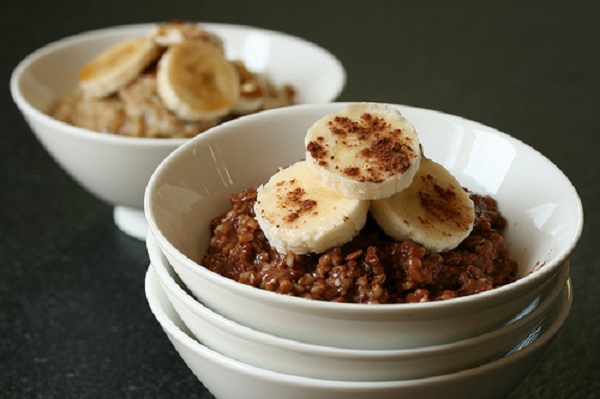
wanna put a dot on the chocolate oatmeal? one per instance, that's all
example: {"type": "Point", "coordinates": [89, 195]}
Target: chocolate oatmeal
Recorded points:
{"type": "Point", "coordinates": [372, 268]}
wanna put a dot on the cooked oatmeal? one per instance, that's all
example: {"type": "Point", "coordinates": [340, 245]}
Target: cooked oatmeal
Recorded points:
{"type": "Point", "coordinates": [137, 109]}
{"type": "Point", "coordinates": [372, 268]}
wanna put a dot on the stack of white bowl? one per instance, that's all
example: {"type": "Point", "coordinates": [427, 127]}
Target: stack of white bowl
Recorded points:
{"type": "Point", "coordinates": [241, 341]}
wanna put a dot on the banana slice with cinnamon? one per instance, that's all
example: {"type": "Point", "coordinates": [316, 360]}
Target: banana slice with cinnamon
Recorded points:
{"type": "Point", "coordinates": [366, 151]}
{"type": "Point", "coordinates": [297, 214]}
{"type": "Point", "coordinates": [435, 211]}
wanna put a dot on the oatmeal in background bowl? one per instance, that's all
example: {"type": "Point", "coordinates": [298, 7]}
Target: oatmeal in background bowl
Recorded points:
{"type": "Point", "coordinates": [175, 81]}
{"type": "Point", "coordinates": [136, 129]}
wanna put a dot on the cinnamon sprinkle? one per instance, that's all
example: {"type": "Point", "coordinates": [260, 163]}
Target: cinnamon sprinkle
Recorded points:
{"type": "Point", "coordinates": [387, 154]}
{"type": "Point", "coordinates": [441, 203]}
{"type": "Point", "coordinates": [296, 203]}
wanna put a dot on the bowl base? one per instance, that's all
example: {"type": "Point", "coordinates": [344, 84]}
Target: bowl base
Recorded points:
{"type": "Point", "coordinates": [131, 221]}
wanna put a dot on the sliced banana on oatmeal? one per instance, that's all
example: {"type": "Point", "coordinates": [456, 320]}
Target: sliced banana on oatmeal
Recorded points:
{"type": "Point", "coordinates": [298, 214]}
{"type": "Point", "coordinates": [435, 211]}
{"type": "Point", "coordinates": [366, 151]}
{"type": "Point", "coordinates": [116, 66]}
{"type": "Point", "coordinates": [196, 81]}
{"type": "Point", "coordinates": [171, 33]}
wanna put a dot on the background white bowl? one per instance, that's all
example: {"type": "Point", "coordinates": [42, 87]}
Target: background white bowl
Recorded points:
{"type": "Point", "coordinates": [116, 169]}
{"type": "Point", "coordinates": [192, 185]}
{"type": "Point", "coordinates": [292, 357]}
{"type": "Point", "coordinates": [226, 378]}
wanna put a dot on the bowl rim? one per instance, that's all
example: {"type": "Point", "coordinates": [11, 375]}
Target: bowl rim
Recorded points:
{"type": "Point", "coordinates": [159, 264]}
{"type": "Point", "coordinates": [152, 284]}
{"type": "Point", "coordinates": [28, 109]}
{"type": "Point", "coordinates": [539, 276]}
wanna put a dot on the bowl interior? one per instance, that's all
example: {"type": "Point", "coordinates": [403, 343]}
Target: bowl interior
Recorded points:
{"type": "Point", "coordinates": [44, 76]}
{"type": "Point", "coordinates": [192, 185]}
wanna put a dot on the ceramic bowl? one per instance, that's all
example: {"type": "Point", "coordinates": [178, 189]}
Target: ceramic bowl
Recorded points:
{"type": "Point", "coordinates": [292, 357]}
{"type": "Point", "coordinates": [192, 185]}
{"type": "Point", "coordinates": [115, 168]}
{"type": "Point", "coordinates": [227, 378]}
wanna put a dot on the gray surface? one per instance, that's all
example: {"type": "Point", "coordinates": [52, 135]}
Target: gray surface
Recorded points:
{"type": "Point", "coordinates": [73, 317]}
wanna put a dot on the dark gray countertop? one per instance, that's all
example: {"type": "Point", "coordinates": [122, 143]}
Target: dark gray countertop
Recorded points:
{"type": "Point", "coordinates": [74, 321]}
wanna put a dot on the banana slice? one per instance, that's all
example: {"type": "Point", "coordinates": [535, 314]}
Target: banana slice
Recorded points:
{"type": "Point", "coordinates": [116, 66]}
{"type": "Point", "coordinates": [298, 214]}
{"type": "Point", "coordinates": [196, 81]}
{"type": "Point", "coordinates": [366, 151]}
{"type": "Point", "coordinates": [434, 210]}
{"type": "Point", "coordinates": [171, 33]}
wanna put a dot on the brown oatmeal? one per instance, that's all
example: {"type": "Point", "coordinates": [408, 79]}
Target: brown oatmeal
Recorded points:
{"type": "Point", "coordinates": [372, 268]}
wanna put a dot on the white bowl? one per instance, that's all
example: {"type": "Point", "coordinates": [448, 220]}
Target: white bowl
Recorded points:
{"type": "Point", "coordinates": [115, 168]}
{"type": "Point", "coordinates": [292, 357]}
{"type": "Point", "coordinates": [227, 378]}
{"type": "Point", "coordinates": [192, 185]}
